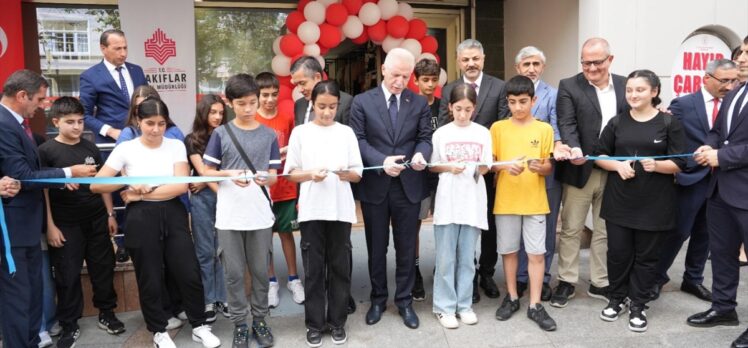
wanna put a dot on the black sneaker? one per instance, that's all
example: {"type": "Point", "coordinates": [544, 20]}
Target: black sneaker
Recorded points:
{"type": "Point", "coordinates": [262, 334]}
{"type": "Point", "coordinates": [351, 305]}
{"type": "Point", "coordinates": [121, 254]}
{"type": "Point", "coordinates": [637, 319]}
{"type": "Point", "coordinates": [541, 317]}
{"type": "Point", "coordinates": [338, 335]}
{"type": "Point", "coordinates": [598, 293]}
{"type": "Point", "coordinates": [476, 294]}
{"type": "Point", "coordinates": [562, 294]}
{"type": "Point", "coordinates": [419, 294]}
{"type": "Point", "coordinates": [210, 313]}
{"type": "Point", "coordinates": [109, 322]}
{"type": "Point", "coordinates": [546, 293]}
{"type": "Point", "coordinates": [68, 338]}
{"type": "Point", "coordinates": [521, 287]}
{"type": "Point", "coordinates": [313, 338]}
{"type": "Point", "coordinates": [507, 308]}
{"type": "Point", "coordinates": [222, 308]}
{"type": "Point", "coordinates": [613, 310]}
{"type": "Point", "coordinates": [241, 337]}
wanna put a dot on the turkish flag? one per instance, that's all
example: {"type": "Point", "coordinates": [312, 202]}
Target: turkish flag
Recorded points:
{"type": "Point", "coordinates": [11, 39]}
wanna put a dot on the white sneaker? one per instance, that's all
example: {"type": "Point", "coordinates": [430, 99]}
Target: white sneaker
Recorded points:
{"type": "Point", "coordinates": [273, 299]}
{"type": "Point", "coordinates": [204, 335]}
{"type": "Point", "coordinates": [297, 289]}
{"type": "Point", "coordinates": [174, 323]}
{"type": "Point", "coordinates": [56, 329]}
{"type": "Point", "coordinates": [44, 339]}
{"type": "Point", "coordinates": [182, 315]}
{"type": "Point", "coordinates": [468, 317]}
{"type": "Point", "coordinates": [449, 321]}
{"type": "Point", "coordinates": [163, 340]}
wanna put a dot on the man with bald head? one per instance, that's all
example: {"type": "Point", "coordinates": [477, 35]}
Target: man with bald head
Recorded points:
{"type": "Point", "coordinates": [585, 104]}
{"type": "Point", "coordinates": [393, 125]}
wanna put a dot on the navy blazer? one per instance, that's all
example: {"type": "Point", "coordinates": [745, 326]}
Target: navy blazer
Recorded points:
{"type": "Point", "coordinates": [580, 121]}
{"type": "Point", "coordinates": [377, 139]}
{"type": "Point", "coordinates": [19, 159]}
{"type": "Point", "coordinates": [732, 173]}
{"type": "Point", "coordinates": [103, 100]}
{"type": "Point", "coordinates": [690, 110]}
{"type": "Point", "coordinates": [492, 104]}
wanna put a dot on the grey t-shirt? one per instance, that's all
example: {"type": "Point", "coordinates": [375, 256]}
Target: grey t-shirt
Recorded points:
{"type": "Point", "coordinates": [260, 144]}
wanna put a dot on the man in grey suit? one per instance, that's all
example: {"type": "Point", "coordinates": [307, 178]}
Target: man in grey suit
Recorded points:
{"type": "Point", "coordinates": [305, 73]}
{"type": "Point", "coordinates": [585, 104]}
{"type": "Point", "coordinates": [492, 106]}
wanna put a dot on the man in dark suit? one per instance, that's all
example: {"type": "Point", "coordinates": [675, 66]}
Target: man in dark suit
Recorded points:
{"type": "Point", "coordinates": [106, 88]}
{"type": "Point", "coordinates": [21, 300]}
{"type": "Point", "coordinates": [585, 104]}
{"type": "Point", "coordinates": [392, 125]}
{"type": "Point", "coordinates": [305, 73]}
{"type": "Point", "coordinates": [697, 112]}
{"type": "Point", "coordinates": [492, 106]}
{"type": "Point", "coordinates": [726, 208]}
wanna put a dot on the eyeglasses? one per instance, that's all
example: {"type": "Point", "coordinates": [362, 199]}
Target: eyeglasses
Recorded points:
{"type": "Point", "coordinates": [724, 82]}
{"type": "Point", "coordinates": [590, 63]}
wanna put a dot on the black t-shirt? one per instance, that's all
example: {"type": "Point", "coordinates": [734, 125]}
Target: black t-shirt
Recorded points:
{"type": "Point", "coordinates": [72, 207]}
{"type": "Point", "coordinates": [647, 201]}
{"type": "Point", "coordinates": [434, 113]}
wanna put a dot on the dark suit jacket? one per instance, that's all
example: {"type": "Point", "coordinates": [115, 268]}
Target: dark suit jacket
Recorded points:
{"type": "Point", "coordinates": [19, 159]}
{"type": "Point", "coordinates": [341, 116]}
{"type": "Point", "coordinates": [377, 139]}
{"type": "Point", "coordinates": [491, 106]}
{"type": "Point", "coordinates": [732, 173]}
{"type": "Point", "coordinates": [103, 100]}
{"type": "Point", "coordinates": [691, 111]}
{"type": "Point", "coordinates": [580, 121]}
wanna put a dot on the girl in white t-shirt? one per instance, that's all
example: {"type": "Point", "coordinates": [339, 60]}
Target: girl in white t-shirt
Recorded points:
{"type": "Point", "coordinates": [157, 233]}
{"type": "Point", "coordinates": [459, 212]}
{"type": "Point", "coordinates": [323, 156]}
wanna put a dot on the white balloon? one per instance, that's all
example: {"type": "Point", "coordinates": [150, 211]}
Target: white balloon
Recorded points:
{"type": "Point", "coordinates": [405, 10]}
{"type": "Point", "coordinates": [315, 12]}
{"type": "Point", "coordinates": [321, 61]}
{"type": "Point", "coordinates": [277, 45]}
{"type": "Point", "coordinates": [311, 50]}
{"type": "Point", "coordinates": [378, 43]}
{"type": "Point", "coordinates": [308, 32]}
{"type": "Point", "coordinates": [327, 2]}
{"type": "Point", "coordinates": [390, 43]}
{"type": "Point", "coordinates": [426, 56]}
{"type": "Point", "coordinates": [296, 94]}
{"type": "Point", "coordinates": [413, 46]}
{"type": "Point", "coordinates": [388, 8]}
{"type": "Point", "coordinates": [281, 65]}
{"type": "Point", "coordinates": [442, 77]}
{"type": "Point", "coordinates": [369, 13]}
{"type": "Point", "coordinates": [353, 28]}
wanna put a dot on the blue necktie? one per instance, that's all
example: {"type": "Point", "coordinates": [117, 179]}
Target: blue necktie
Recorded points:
{"type": "Point", "coordinates": [393, 110]}
{"type": "Point", "coordinates": [123, 84]}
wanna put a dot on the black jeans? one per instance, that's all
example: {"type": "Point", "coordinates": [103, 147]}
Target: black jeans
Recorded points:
{"type": "Point", "coordinates": [632, 261]}
{"type": "Point", "coordinates": [326, 254]}
{"type": "Point", "coordinates": [488, 254]}
{"type": "Point", "coordinates": [86, 240]}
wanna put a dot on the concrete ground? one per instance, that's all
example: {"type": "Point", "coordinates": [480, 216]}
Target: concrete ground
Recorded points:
{"type": "Point", "coordinates": [578, 324]}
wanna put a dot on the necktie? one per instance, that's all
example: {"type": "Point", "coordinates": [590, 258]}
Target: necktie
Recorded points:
{"type": "Point", "coordinates": [737, 106]}
{"type": "Point", "coordinates": [27, 128]}
{"type": "Point", "coordinates": [475, 111]}
{"type": "Point", "coordinates": [123, 84]}
{"type": "Point", "coordinates": [715, 111]}
{"type": "Point", "coordinates": [393, 110]}
{"type": "Point", "coordinates": [475, 87]}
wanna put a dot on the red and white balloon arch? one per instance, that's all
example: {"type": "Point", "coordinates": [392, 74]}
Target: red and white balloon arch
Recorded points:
{"type": "Point", "coordinates": [319, 25]}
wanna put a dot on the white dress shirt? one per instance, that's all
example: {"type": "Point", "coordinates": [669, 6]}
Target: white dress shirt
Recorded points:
{"type": "Point", "coordinates": [709, 102]}
{"type": "Point", "coordinates": [608, 104]}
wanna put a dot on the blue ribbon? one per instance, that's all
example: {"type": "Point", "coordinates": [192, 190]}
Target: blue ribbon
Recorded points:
{"type": "Point", "coordinates": [6, 242]}
{"type": "Point", "coordinates": [637, 158]}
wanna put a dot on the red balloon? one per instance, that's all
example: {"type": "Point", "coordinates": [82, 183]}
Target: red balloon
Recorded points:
{"type": "Point", "coordinates": [412, 84]}
{"type": "Point", "coordinates": [374, 1]}
{"type": "Point", "coordinates": [285, 107]}
{"type": "Point", "coordinates": [329, 35]}
{"type": "Point", "coordinates": [353, 6]}
{"type": "Point", "coordinates": [293, 20]}
{"type": "Point", "coordinates": [284, 81]}
{"type": "Point", "coordinates": [362, 39]}
{"type": "Point", "coordinates": [336, 14]}
{"type": "Point", "coordinates": [302, 4]}
{"type": "Point", "coordinates": [397, 27]}
{"type": "Point", "coordinates": [284, 92]}
{"type": "Point", "coordinates": [323, 51]}
{"type": "Point", "coordinates": [324, 76]}
{"type": "Point", "coordinates": [377, 32]}
{"type": "Point", "coordinates": [417, 29]}
{"type": "Point", "coordinates": [438, 92]}
{"type": "Point", "coordinates": [429, 44]}
{"type": "Point", "coordinates": [291, 45]}
{"type": "Point", "coordinates": [296, 57]}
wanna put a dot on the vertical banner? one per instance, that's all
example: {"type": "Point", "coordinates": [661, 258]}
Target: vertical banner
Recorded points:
{"type": "Point", "coordinates": [161, 39]}
{"type": "Point", "coordinates": [691, 60]}
{"type": "Point", "coordinates": [11, 39]}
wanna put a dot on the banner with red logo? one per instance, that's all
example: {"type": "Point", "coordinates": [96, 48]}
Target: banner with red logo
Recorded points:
{"type": "Point", "coordinates": [11, 39]}
{"type": "Point", "coordinates": [162, 41]}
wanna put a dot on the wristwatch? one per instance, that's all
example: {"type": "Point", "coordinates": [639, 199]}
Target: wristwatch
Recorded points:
{"type": "Point", "coordinates": [112, 214]}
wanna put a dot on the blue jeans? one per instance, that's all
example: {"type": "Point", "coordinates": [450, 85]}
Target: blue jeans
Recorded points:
{"type": "Point", "coordinates": [48, 295]}
{"type": "Point", "coordinates": [453, 278]}
{"type": "Point", "coordinates": [554, 201]}
{"type": "Point", "coordinates": [203, 206]}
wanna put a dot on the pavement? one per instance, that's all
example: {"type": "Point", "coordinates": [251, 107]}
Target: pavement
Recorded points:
{"type": "Point", "coordinates": [578, 324]}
